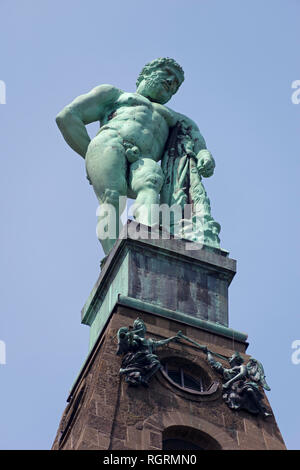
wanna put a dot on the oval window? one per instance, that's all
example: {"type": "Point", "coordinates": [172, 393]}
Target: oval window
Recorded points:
{"type": "Point", "coordinates": [188, 376]}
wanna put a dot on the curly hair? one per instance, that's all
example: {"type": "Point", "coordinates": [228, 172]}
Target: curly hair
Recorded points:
{"type": "Point", "coordinates": [138, 323]}
{"type": "Point", "coordinates": [156, 63]}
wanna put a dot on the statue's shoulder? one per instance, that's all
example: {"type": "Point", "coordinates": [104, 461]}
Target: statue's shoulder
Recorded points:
{"type": "Point", "coordinates": [107, 90]}
{"type": "Point", "coordinates": [186, 121]}
{"type": "Point", "coordinates": [105, 96]}
{"type": "Point", "coordinates": [190, 128]}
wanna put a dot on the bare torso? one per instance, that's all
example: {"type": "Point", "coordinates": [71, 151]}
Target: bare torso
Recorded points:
{"type": "Point", "coordinates": [122, 159]}
{"type": "Point", "coordinates": [136, 120]}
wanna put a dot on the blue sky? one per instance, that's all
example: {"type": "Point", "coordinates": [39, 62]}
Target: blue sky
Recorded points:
{"type": "Point", "coordinates": [240, 59]}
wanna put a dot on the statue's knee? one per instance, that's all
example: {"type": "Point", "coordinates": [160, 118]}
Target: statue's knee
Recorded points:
{"type": "Point", "coordinates": [146, 174]}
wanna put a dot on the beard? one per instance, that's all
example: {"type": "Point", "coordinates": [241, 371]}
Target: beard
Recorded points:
{"type": "Point", "coordinates": [154, 89]}
{"type": "Point", "coordinates": [153, 81]}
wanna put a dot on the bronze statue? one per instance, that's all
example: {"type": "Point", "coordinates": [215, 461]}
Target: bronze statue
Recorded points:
{"type": "Point", "coordinates": [137, 131]}
{"type": "Point", "coordinates": [242, 383]}
{"type": "Point", "coordinates": [139, 362]}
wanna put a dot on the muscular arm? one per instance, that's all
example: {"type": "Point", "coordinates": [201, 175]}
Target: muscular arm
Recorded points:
{"type": "Point", "coordinates": [163, 342]}
{"type": "Point", "coordinates": [215, 364]}
{"type": "Point", "coordinates": [195, 145]}
{"type": "Point", "coordinates": [84, 110]}
{"type": "Point", "coordinates": [197, 141]}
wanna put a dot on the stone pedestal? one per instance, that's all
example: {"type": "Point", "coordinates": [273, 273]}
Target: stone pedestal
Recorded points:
{"type": "Point", "coordinates": [170, 287]}
{"type": "Point", "coordinates": [173, 276]}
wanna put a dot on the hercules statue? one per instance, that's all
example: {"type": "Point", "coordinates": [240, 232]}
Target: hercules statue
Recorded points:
{"type": "Point", "coordinates": [122, 159]}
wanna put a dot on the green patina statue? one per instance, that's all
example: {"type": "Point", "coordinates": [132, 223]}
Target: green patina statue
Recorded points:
{"type": "Point", "coordinates": [137, 131]}
{"type": "Point", "coordinates": [139, 361]}
{"type": "Point", "coordinates": [242, 383]}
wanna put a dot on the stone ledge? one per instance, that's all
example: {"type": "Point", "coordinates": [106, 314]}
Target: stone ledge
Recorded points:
{"type": "Point", "coordinates": [209, 326]}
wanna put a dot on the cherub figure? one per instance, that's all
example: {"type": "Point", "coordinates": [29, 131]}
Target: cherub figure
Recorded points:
{"type": "Point", "coordinates": [242, 383]}
{"type": "Point", "coordinates": [140, 362]}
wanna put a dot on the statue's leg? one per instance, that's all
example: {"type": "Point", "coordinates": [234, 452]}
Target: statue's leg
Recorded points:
{"type": "Point", "coordinates": [106, 166]}
{"type": "Point", "coordinates": [155, 367]}
{"type": "Point", "coordinates": [111, 205]}
{"type": "Point", "coordinates": [146, 179]}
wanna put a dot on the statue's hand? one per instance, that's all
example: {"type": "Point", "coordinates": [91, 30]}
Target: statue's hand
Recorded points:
{"type": "Point", "coordinates": [205, 163]}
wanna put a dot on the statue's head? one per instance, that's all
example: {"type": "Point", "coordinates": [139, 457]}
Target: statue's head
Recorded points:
{"type": "Point", "coordinates": [236, 359]}
{"type": "Point", "coordinates": [160, 79]}
{"type": "Point", "coordinates": [139, 324]}
{"type": "Point", "coordinates": [122, 332]}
